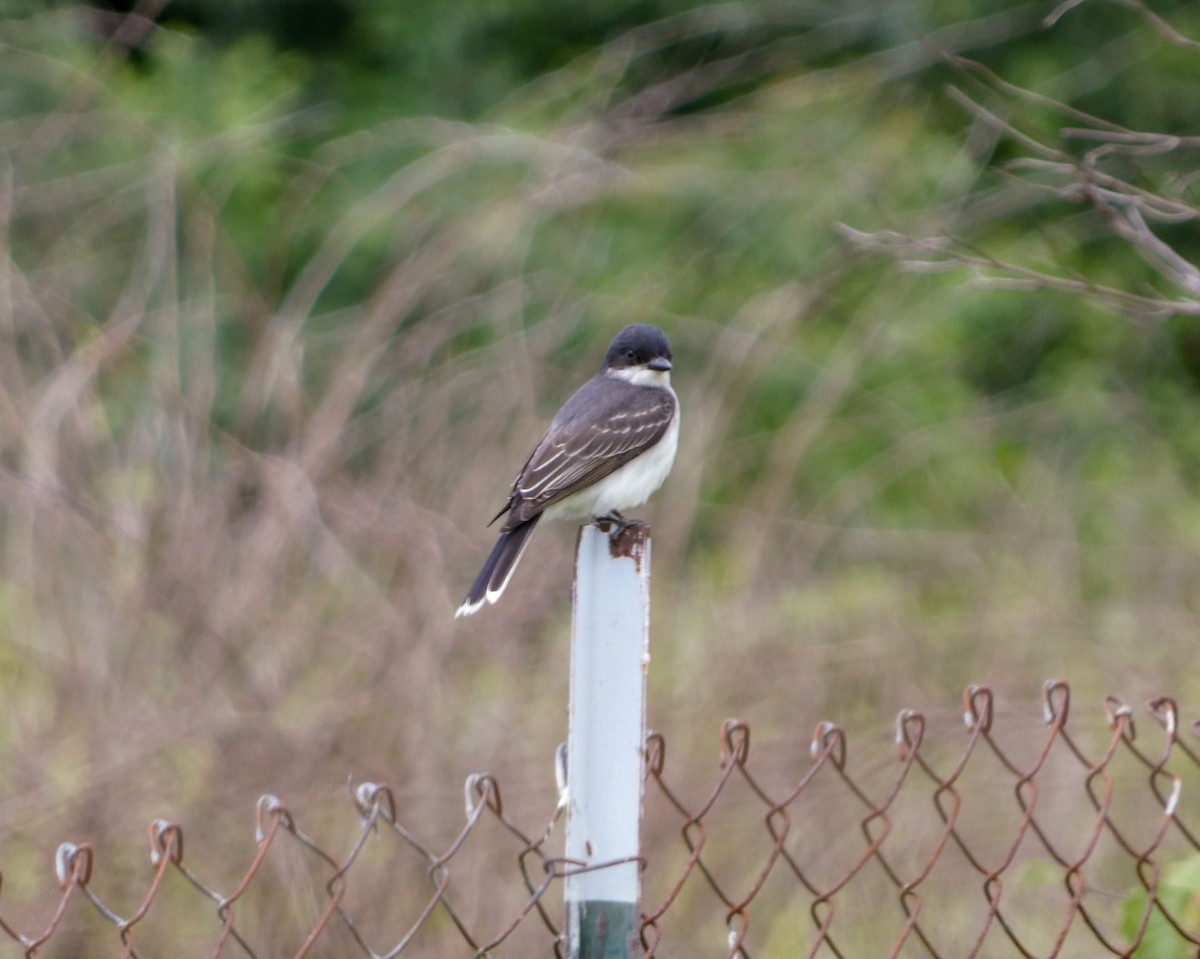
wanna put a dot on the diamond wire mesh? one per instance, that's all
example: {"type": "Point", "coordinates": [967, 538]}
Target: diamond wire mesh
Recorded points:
{"type": "Point", "coordinates": [1021, 845]}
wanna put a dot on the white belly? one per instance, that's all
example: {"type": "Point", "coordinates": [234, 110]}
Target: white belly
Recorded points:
{"type": "Point", "coordinates": [626, 488]}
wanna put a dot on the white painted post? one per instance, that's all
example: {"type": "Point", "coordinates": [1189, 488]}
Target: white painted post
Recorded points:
{"type": "Point", "coordinates": [610, 652]}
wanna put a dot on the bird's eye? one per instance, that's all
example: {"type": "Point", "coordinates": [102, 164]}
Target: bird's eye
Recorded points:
{"type": "Point", "coordinates": [629, 354]}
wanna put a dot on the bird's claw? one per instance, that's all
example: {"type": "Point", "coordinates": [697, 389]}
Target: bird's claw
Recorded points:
{"type": "Point", "coordinates": [615, 524]}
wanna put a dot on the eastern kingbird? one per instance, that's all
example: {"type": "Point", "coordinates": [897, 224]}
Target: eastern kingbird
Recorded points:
{"type": "Point", "coordinates": [609, 447]}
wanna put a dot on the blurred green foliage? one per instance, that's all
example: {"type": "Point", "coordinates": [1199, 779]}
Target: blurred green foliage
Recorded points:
{"type": "Point", "coordinates": [328, 142]}
{"type": "Point", "coordinates": [289, 287]}
{"type": "Point", "coordinates": [1179, 893]}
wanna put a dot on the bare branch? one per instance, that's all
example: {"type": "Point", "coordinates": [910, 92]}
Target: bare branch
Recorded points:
{"type": "Point", "coordinates": [998, 123]}
{"type": "Point", "coordinates": [1161, 26]}
{"type": "Point", "coordinates": [1090, 184]}
{"type": "Point", "coordinates": [1128, 223]}
{"type": "Point", "coordinates": [1115, 176]}
{"type": "Point", "coordinates": [945, 253]}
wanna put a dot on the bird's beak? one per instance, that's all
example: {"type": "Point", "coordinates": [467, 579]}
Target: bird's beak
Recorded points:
{"type": "Point", "coordinates": [660, 363]}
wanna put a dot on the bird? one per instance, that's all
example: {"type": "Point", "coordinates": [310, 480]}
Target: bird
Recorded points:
{"type": "Point", "coordinates": [608, 449]}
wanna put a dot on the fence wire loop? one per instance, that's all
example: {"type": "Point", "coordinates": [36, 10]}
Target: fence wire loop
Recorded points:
{"type": "Point", "coordinates": [910, 730]}
{"type": "Point", "coordinates": [843, 838]}
{"type": "Point", "coordinates": [374, 800]}
{"type": "Point", "coordinates": [977, 708]}
{"type": "Point", "coordinates": [1056, 701]}
{"type": "Point", "coordinates": [1163, 709]}
{"type": "Point", "coordinates": [656, 753]}
{"type": "Point", "coordinates": [270, 807]}
{"type": "Point", "coordinates": [735, 742]}
{"type": "Point", "coordinates": [1119, 715]}
{"type": "Point", "coordinates": [166, 841]}
{"type": "Point", "coordinates": [73, 864]}
{"type": "Point", "coordinates": [483, 787]}
{"type": "Point", "coordinates": [829, 742]}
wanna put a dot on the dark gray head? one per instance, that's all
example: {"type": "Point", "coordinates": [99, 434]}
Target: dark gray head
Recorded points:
{"type": "Point", "coordinates": [639, 346]}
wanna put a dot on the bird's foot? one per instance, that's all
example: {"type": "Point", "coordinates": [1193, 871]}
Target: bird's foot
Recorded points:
{"type": "Point", "coordinates": [615, 524]}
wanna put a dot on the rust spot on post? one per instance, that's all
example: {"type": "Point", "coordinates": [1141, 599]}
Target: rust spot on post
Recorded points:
{"type": "Point", "coordinates": [628, 542]}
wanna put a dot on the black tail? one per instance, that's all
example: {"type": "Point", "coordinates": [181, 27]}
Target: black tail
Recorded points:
{"type": "Point", "coordinates": [498, 570]}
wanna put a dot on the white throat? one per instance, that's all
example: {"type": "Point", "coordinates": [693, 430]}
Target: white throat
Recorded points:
{"type": "Point", "coordinates": [643, 376]}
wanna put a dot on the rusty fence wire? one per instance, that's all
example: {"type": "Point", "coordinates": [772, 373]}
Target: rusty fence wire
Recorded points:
{"type": "Point", "coordinates": [1043, 839]}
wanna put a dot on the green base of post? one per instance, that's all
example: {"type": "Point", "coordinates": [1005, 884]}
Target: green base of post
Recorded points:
{"type": "Point", "coordinates": [597, 929]}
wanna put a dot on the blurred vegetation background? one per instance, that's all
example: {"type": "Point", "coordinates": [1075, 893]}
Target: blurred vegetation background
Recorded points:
{"type": "Point", "coordinates": [288, 288]}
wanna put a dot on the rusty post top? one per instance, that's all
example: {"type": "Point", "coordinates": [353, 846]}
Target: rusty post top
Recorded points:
{"type": "Point", "coordinates": [629, 541]}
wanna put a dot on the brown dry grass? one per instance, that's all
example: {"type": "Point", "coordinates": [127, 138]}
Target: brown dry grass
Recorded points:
{"type": "Point", "coordinates": [229, 571]}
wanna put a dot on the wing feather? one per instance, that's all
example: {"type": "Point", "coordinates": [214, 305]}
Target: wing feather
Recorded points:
{"type": "Point", "coordinates": [601, 428]}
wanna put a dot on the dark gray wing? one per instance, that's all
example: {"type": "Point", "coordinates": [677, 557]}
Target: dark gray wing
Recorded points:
{"type": "Point", "coordinates": [602, 427]}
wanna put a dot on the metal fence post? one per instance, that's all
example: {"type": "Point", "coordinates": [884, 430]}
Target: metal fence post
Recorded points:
{"type": "Point", "coordinates": [610, 652]}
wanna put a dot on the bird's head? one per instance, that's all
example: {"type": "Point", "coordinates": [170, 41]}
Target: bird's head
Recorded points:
{"type": "Point", "coordinates": [641, 355]}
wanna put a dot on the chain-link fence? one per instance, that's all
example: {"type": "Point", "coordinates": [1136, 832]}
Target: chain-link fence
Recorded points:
{"type": "Point", "coordinates": [1017, 838]}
